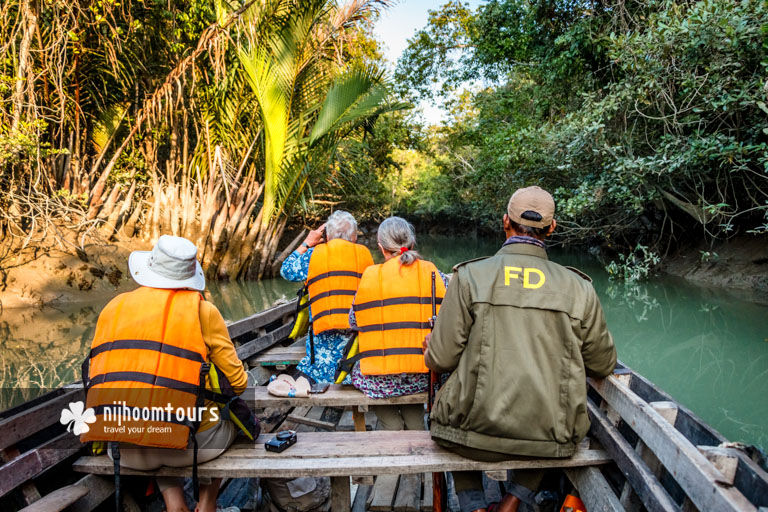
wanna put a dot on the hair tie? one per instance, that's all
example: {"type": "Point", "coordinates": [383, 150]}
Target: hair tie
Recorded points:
{"type": "Point", "coordinates": [403, 249]}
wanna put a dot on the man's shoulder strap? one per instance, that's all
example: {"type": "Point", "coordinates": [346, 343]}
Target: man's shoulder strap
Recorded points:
{"type": "Point", "coordinates": [456, 266]}
{"type": "Point", "coordinates": [579, 273]}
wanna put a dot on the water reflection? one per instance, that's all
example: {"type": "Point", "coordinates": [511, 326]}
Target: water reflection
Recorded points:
{"type": "Point", "coordinates": [706, 348]}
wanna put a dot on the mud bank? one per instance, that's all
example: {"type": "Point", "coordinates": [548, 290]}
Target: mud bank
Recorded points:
{"type": "Point", "coordinates": [737, 264]}
{"type": "Point", "coordinates": [61, 277]}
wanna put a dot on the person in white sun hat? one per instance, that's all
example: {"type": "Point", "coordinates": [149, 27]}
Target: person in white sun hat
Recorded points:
{"type": "Point", "coordinates": [165, 338]}
{"type": "Point", "coordinates": [171, 264]}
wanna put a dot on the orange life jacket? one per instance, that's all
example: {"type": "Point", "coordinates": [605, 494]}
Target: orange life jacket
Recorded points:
{"type": "Point", "coordinates": [335, 269]}
{"type": "Point", "coordinates": [148, 354]}
{"type": "Point", "coordinates": [393, 307]}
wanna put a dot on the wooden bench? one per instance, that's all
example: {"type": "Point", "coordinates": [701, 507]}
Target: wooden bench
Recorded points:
{"type": "Point", "coordinates": [281, 357]}
{"type": "Point", "coordinates": [337, 395]}
{"type": "Point", "coordinates": [341, 455]}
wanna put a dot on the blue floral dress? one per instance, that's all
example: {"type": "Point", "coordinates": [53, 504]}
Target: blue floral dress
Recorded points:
{"type": "Point", "coordinates": [329, 345]}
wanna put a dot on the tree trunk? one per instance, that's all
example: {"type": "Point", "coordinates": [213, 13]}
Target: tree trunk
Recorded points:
{"type": "Point", "coordinates": [25, 62]}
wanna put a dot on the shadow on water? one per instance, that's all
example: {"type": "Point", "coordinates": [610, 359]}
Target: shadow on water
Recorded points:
{"type": "Point", "coordinates": [706, 348]}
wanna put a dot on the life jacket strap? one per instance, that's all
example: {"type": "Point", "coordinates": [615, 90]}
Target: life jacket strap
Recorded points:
{"type": "Point", "coordinates": [114, 449]}
{"type": "Point", "coordinates": [85, 370]}
{"type": "Point", "coordinates": [330, 293]}
{"type": "Point", "coordinates": [346, 365]}
{"type": "Point", "coordinates": [195, 480]}
{"type": "Point", "coordinates": [151, 345]}
{"type": "Point", "coordinates": [391, 326]}
{"type": "Point", "coordinates": [332, 311]}
{"type": "Point", "coordinates": [334, 273]}
{"type": "Point", "coordinates": [395, 301]}
{"type": "Point", "coordinates": [311, 345]}
{"type": "Point", "coordinates": [300, 295]}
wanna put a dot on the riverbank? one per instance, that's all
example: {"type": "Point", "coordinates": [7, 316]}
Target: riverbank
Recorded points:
{"type": "Point", "coordinates": [59, 277]}
{"type": "Point", "coordinates": [737, 264]}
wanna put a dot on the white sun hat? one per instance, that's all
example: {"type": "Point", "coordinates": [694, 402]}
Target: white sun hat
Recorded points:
{"type": "Point", "coordinates": [172, 263]}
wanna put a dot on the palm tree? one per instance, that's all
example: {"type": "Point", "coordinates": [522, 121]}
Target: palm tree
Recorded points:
{"type": "Point", "coordinates": [305, 110]}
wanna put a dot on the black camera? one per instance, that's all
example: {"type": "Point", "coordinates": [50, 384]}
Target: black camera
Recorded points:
{"type": "Point", "coordinates": [281, 441]}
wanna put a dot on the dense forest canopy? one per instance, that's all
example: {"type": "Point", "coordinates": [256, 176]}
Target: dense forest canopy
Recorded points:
{"type": "Point", "coordinates": [216, 120]}
{"type": "Point", "coordinates": [646, 118]}
{"type": "Point", "coordinates": [235, 122]}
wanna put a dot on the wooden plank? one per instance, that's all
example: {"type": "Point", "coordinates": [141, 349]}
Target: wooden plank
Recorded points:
{"type": "Point", "coordinates": [725, 461]}
{"type": "Point", "coordinates": [687, 423]}
{"type": "Point", "coordinates": [28, 490]}
{"type": "Point", "coordinates": [30, 464]}
{"type": "Point", "coordinates": [35, 419]}
{"type": "Point", "coordinates": [408, 498]}
{"type": "Point", "coordinates": [350, 417]}
{"type": "Point", "coordinates": [100, 487]}
{"type": "Point", "coordinates": [363, 480]}
{"type": "Point", "coordinates": [253, 322]}
{"type": "Point", "coordinates": [254, 346]}
{"type": "Point", "coordinates": [58, 500]}
{"type": "Point", "coordinates": [499, 476]}
{"type": "Point", "coordinates": [360, 504]}
{"type": "Point", "coordinates": [340, 497]}
{"type": "Point", "coordinates": [751, 479]}
{"type": "Point", "coordinates": [643, 481]}
{"type": "Point", "coordinates": [280, 355]}
{"type": "Point", "coordinates": [695, 474]}
{"type": "Point", "coordinates": [594, 490]}
{"type": "Point", "coordinates": [426, 500]}
{"type": "Point", "coordinates": [343, 466]}
{"type": "Point", "coordinates": [629, 499]}
{"type": "Point", "coordinates": [337, 395]}
{"type": "Point", "coordinates": [346, 453]}
{"type": "Point", "coordinates": [667, 410]}
{"type": "Point", "coordinates": [326, 425]}
{"type": "Point", "coordinates": [346, 422]}
{"type": "Point", "coordinates": [359, 419]}
{"type": "Point", "coordinates": [384, 493]}
{"type": "Point", "coordinates": [289, 424]}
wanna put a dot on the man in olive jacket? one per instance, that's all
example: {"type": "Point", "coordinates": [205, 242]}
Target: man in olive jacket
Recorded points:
{"type": "Point", "coordinates": [519, 334]}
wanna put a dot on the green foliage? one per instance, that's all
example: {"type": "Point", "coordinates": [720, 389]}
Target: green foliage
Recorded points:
{"type": "Point", "coordinates": [646, 121]}
{"type": "Point", "coordinates": [305, 112]}
{"type": "Point", "coordinates": [636, 266]}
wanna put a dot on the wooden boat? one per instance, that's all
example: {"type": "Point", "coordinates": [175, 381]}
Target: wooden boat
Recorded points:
{"type": "Point", "coordinates": [646, 451]}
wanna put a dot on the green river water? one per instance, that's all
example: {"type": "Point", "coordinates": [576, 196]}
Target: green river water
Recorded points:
{"type": "Point", "coordinates": [706, 347]}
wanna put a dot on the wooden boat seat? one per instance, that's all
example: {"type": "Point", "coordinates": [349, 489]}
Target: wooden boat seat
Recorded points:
{"type": "Point", "coordinates": [281, 357]}
{"type": "Point", "coordinates": [337, 395]}
{"type": "Point", "coordinates": [58, 500]}
{"type": "Point", "coordinates": [345, 454]}
{"type": "Point", "coordinates": [340, 455]}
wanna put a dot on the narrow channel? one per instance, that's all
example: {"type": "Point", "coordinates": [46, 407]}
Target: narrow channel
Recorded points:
{"type": "Point", "coordinates": [706, 347]}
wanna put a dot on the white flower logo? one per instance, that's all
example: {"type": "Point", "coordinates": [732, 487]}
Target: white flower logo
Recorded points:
{"type": "Point", "coordinates": [76, 419]}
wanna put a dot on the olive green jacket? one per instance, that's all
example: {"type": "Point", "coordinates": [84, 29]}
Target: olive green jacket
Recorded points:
{"type": "Point", "coordinates": [519, 334]}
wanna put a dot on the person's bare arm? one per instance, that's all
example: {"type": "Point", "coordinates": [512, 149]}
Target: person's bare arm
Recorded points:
{"type": "Point", "coordinates": [313, 238]}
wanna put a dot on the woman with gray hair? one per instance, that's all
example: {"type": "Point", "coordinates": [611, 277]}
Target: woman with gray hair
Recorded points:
{"type": "Point", "coordinates": [330, 263]}
{"type": "Point", "coordinates": [391, 313]}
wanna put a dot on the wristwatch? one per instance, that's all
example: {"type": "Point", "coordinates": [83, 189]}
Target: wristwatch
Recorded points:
{"type": "Point", "coordinates": [304, 244]}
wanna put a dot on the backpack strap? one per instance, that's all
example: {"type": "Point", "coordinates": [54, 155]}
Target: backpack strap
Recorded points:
{"type": "Point", "coordinates": [204, 369]}
{"type": "Point", "coordinates": [311, 345]}
{"type": "Point", "coordinates": [114, 448]}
